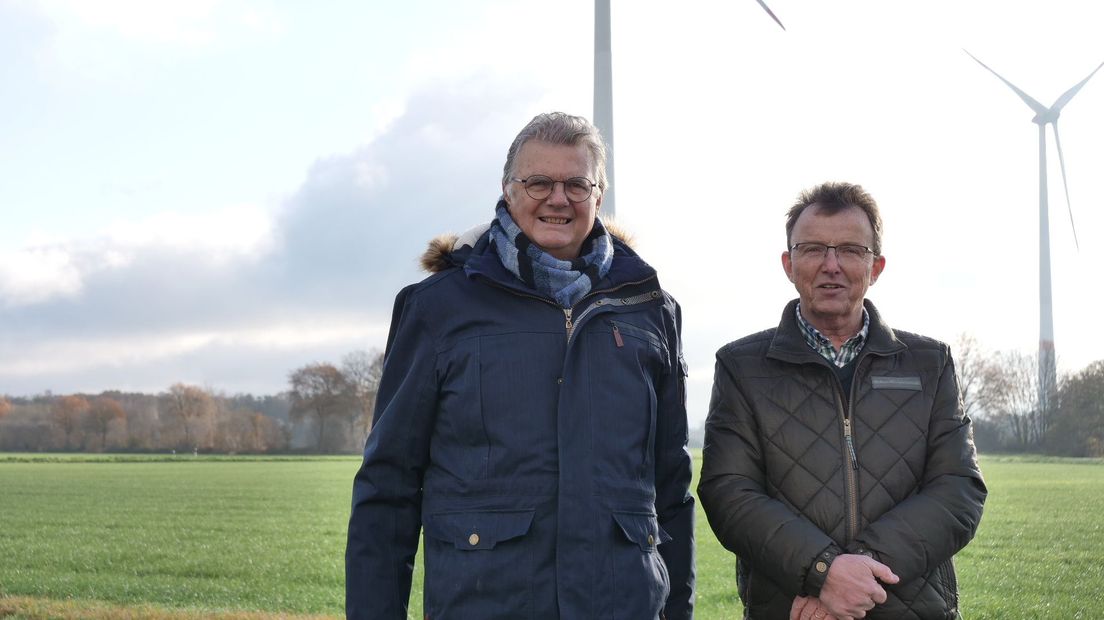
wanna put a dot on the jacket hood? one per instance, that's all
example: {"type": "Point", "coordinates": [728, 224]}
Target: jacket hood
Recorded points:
{"type": "Point", "coordinates": [444, 251]}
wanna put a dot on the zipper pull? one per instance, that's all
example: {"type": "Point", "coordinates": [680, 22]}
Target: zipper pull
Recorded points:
{"type": "Point", "coordinates": [567, 322]}
{"type": "Point", "coordinates": [850, 443]}
{"type": "Point", "coordinates": [617, 337]}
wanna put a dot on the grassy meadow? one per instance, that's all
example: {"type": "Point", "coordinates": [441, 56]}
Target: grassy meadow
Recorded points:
{"type": "Point", "coordinates": [252, 538]}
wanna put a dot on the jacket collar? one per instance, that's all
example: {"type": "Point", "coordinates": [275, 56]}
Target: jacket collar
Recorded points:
{"type": "Point", "coordinates": [473, 253]}
{"type": "Point", "coordinates": [789, 344]}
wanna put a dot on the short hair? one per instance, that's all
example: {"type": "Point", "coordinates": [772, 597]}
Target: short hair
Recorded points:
{"type": "Point", "coordinates": [561, 128]}
{"type": "Point", "coordinates": [835, 196]}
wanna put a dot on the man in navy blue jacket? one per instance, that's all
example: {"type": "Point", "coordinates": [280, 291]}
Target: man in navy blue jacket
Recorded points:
{"type": "Point", "coordinates": [531, 418]}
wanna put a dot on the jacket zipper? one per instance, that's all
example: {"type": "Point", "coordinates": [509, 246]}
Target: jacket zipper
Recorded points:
{"type": "Point", "coordinates": [625, 301]}
{"type": "Point", "coordinates": [853, 471]}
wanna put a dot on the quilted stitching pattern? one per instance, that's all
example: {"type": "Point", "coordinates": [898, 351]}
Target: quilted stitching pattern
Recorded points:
{"type": "Point", "coordinates": [801, 438]}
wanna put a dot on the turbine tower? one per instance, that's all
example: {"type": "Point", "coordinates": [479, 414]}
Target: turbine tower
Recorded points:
{"type": "Point", "coordinates": [1048, 371]}
{"type": "Point", "coordinates": [603, 89]}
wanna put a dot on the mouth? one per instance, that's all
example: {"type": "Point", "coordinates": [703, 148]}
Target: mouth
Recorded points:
{"type": "Point", "coordinates": [555, 220]}
{"type": "Point", "coordinates": [831, 287]}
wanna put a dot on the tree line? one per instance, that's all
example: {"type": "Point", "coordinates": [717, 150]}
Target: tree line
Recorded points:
{"type": "Point", "coordinates": [326, 409]}
{"type": "Point", "coordinates": [1000, 392]}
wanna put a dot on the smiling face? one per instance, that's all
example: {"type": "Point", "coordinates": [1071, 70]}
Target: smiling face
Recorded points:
{"type": "Point", "coordinates": [555, 224]}
{"type": "Point", "coordinates": [832, 292]}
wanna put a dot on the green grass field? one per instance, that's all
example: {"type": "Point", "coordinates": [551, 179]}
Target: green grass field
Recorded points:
{"type": "Point", "coordinates": [183, 537]}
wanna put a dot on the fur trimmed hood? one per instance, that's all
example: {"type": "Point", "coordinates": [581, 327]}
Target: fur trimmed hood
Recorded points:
{"type": "Point", "coordinates": [437, 256]}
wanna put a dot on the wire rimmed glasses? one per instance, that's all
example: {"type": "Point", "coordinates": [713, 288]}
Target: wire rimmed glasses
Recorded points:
{"type": "Point", "coordinates": [845, 252]}
{"type": "Point", "coordinates": [539, 187]}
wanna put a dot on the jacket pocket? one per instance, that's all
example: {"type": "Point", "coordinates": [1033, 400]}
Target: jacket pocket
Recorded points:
{"type": "Point", "coordinates": [478, 564]}
{"type": "Point", "coordinates": [641, 583]}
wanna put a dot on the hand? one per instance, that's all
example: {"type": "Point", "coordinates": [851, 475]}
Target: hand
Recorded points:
{"type": "Point", "coordinates": [851, 587]}
{"type": "Point", "coordinates": [809, 608]}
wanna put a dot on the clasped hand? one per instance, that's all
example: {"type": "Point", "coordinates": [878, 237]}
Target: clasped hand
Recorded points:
{"type": "Point", "coordinates": [850, 590]}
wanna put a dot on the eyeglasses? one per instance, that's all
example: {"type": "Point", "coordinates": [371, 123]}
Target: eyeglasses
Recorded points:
{"type": "Point", "coordinates": [845, 253]}
{"type": "Point", "coordinates": [539, 187]}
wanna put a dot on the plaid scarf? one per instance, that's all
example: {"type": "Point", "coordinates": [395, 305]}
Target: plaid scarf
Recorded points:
{"type": "Point", "coordinates": [564, 281]}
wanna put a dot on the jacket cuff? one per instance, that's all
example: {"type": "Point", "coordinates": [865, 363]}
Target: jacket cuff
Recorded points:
{"type": "Point", "coordinates": [817, 571]}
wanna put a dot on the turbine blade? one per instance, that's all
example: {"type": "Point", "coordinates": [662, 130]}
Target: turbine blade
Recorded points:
{"type": "Point", "coordinates": [1065, 185]}
{"type": "Point", "coordinates": [1066, 96]}
{"type": "Point", "coordinates": [1039, 108]}
{"type": "Point", "coordinates": [771, 13]}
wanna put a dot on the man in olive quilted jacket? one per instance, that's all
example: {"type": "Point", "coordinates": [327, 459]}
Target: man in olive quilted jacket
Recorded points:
{"type": "Point", "coordinates": [839, 465]}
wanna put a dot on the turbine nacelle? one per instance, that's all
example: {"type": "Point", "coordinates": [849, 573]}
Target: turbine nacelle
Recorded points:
{"type": "Point", "coordinates": [1044, 116]}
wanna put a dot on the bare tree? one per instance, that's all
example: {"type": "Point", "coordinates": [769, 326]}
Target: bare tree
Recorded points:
{"type": "Point", "coordinates": [971, 364]}
{"type": "Point", "coordinates": [67, 414]}
{"type": "Point", "coordinates": [363, 370]}
{"type": "Point", "coordinates": [325, 392]}
{"type": "Point", "coordinates": [1010, 391]}
{"type": "Point", "coordinates": [102, 412]}
{"type": "Point", "coordinates": [195, 409]}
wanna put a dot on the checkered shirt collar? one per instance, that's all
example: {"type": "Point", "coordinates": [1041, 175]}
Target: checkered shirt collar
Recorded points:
{"type": "Point", "coordinates": [817, 342]}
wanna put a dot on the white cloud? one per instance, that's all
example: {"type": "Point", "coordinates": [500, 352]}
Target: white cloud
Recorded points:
{"type": "Point", "coordinates": [238, 231]}
{"type": "Point", "coordinates": [73, 355]}
{"type": "Point", "coordinates": [37, 274]}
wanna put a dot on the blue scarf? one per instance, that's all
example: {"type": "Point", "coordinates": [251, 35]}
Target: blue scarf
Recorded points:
{"type": "Point", "coordinates": [564, 281]}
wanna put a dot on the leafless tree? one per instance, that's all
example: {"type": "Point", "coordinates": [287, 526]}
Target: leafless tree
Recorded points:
{"type": "Point", "coordinates": [102, 412]}
{"type": "Point", "coordinates": [363, 370]}
{"type": "Point", "coordinates": [67, 414]}
{"type": "Point", "coordinates": [1010, 391]}
{"type": "Point", "coordinates": [970, 363]}
{"type": "Point", "coordinates": [195, 409]}
{"type": "Point", "coordinates": [325, 392]}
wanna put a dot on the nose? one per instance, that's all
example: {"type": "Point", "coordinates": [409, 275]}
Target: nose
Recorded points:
{"type": "Point", "coordinates": [830, 262]}
{"type": "Point", "coordinates": [559, 194]}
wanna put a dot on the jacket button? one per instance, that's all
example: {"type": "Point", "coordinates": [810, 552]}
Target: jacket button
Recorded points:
{"type": "Point", "coordinates": [559, 381]}
{"type": "Point", "coordinates": [651, 540]}
{"type": "Point", "coordinates": [473, 540]}
{"type": "Point", "coordinates": [820, 566]}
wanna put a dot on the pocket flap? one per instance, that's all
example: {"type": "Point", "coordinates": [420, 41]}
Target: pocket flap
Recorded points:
{"type": "Point", "coordinates": [642, 529]}
{"type": "Point", "coordinates": [470, 531]}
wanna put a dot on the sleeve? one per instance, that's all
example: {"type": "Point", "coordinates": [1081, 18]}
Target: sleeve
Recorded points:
{"type": "Point", "coordinates": [674, 503]}
{"type": "Point", "coordinates": [386, 510]}
{"type": "Point", "coordinates": [759, 529]}
{"type": "Point", "coordinates": [929, 527]}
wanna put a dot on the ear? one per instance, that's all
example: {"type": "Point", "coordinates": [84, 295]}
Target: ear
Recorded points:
{"type": "Point", "coordinates": [787, 265]}
{"type": "Point", "coordinates": [598, 202]}
{"type": "Point", "coordinates": [876, 269]}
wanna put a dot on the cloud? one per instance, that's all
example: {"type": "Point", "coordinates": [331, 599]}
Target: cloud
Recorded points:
{"type": "Point", "coordinates": [315, 274]}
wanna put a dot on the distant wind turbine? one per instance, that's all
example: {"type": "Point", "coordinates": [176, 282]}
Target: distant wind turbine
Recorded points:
{"type": "Point", "coordinates": [1048, 372]}
{"type": "Point", "coordinates": [603, 88]}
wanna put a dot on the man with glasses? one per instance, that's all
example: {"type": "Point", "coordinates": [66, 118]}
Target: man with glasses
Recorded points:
{"type": "Point", "coordinates": [531, 418]}
{"type": "Point", "coordinates": [838, 463]}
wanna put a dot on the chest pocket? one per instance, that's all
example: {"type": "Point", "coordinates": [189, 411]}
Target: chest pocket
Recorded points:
{"type": "Point", "coordinates": [627, 362]}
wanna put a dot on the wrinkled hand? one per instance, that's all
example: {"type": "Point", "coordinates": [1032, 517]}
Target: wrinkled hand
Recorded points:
{"type": "Point", "coordinates": [851, 588]}
{"type": "Point", "coordinates": [809, 608]}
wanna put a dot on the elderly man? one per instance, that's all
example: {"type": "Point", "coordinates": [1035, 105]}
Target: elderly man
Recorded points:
{"type": "Point", "coordinates": [838, 464]}
{"type": "Point", "coordinates": [531, 418]}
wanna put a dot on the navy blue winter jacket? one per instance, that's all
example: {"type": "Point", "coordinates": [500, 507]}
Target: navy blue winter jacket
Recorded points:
{"type": "Point", "coordinates": [541, 452]}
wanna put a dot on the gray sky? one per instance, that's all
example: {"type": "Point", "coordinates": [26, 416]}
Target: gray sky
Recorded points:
{"type": "Point", "coordinates": [219, 191]}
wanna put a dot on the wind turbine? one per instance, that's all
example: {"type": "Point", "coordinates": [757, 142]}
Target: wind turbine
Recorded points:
{"type": "Point", "coordinates": [1048, 372]}
{"type": "Point", "coordinates": [603, 88]}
